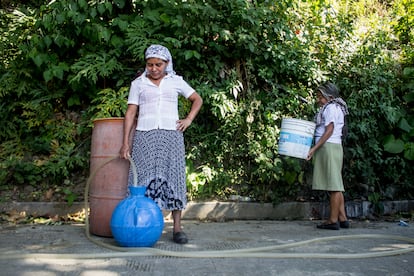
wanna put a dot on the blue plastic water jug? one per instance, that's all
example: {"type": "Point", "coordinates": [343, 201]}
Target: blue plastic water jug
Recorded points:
{"type": "Point", "coordinates": [137, 221]}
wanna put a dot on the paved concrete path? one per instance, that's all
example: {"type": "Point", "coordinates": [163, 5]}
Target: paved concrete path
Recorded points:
{"type": "Point", "coordinates": [72, 253]}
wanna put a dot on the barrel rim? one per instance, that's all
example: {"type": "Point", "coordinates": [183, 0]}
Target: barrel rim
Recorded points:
{"type": "Point", "coordinates": [108, 119]}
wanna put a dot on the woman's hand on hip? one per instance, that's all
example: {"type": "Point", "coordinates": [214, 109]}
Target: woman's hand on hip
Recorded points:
{"type": "Point", "coordinates": [183, 124]}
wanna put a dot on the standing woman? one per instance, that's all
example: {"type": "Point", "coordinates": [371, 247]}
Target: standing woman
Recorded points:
{"type": "Point", "coordinates": [328, 153]}
{"type": "Point", "coordinates": [158, 146]}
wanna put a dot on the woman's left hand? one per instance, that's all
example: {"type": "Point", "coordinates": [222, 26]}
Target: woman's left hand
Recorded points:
{"type": "Point", "coordinates": [183, 124]}
{"type": "Point", "coordinates": [310, 154]}
{"type": "Point", "coordinates": [196, 102]}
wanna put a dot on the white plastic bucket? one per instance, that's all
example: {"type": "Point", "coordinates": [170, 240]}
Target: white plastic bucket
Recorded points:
{"type": "Point", "coordinates": [296, 137]}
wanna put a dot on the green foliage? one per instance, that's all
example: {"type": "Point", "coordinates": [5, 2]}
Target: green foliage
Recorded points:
{"type": "Point", "coordinates": [110, 103]}
{"type": "Point", "coordinates": [68, 62]}
{"type": "Point", "coordinates": [404, 122]}
{"type": "Point", "coordinates": [377, 205]}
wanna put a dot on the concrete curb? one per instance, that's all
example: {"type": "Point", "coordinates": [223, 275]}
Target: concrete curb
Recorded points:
{"type": "Point", "coordinates": [220, 211]}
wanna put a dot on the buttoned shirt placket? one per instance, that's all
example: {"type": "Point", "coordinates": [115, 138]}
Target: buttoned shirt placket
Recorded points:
{"type": "Point", "coordinates": [159, 91]}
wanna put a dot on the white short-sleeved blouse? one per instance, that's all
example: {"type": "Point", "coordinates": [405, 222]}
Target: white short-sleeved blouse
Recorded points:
{"type": "Point", "coordinates": [158, 105]}
{"type": "Point", "coordinates": [331, 114]}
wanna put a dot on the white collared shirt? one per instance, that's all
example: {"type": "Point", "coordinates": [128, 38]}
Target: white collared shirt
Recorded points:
{"type": "Point", "coordinates": [158, 105]}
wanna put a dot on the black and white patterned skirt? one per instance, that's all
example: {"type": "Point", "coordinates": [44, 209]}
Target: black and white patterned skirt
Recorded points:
{"type": "Point", "coordinates": [159, 156]}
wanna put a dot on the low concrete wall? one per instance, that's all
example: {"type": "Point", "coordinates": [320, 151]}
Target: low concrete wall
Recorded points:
{"type": "Point", "coordinates": [230, 210]}
{"type": "Point", "coordinates": [246, 210]}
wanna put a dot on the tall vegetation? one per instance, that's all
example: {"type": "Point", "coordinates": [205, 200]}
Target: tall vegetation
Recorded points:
{"type": "Point", "coordinates": [254, 62]}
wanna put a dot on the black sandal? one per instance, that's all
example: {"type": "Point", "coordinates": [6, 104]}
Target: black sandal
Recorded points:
{"type": "Point", "coordinates": [329, 226]}
{"type": "Point", "coordinates": [344, 224]}
{"type": "Point", "coordinates": [180, 238]}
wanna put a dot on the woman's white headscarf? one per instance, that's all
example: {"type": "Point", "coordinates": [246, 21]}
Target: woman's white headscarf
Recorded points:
{"type": "Point", "coordinates": [161, 52]}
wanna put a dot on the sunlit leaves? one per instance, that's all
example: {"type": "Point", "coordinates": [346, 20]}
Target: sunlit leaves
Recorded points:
{"type": "Point", "coordinates": [93, 66]}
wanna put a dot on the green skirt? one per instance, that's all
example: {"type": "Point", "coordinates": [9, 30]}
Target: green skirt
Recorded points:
{"type": "Point", "coordinates": [327, 170]}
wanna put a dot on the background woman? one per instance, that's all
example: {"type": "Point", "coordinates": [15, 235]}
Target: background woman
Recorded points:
{"type": "Point", "coordinates": [328, 153]}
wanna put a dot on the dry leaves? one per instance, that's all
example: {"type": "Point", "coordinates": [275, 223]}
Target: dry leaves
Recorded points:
{"type": "Point", "coordinates": [15, 217]}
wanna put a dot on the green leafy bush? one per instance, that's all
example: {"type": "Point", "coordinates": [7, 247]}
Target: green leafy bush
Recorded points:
{"type": "Point", "coordinates": [68, 62]}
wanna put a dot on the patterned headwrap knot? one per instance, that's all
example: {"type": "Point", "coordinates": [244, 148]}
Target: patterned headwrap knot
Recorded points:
{"type": "Point", "coordinates": [161, 52]}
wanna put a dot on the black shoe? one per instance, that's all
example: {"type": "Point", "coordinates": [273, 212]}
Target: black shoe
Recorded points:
{"type": "Point", "coordinates": [180, 238]}
{"type": "Point", "coordinates": [344, 224]}
{"type": "Point", "coordinates": [329, 226]}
